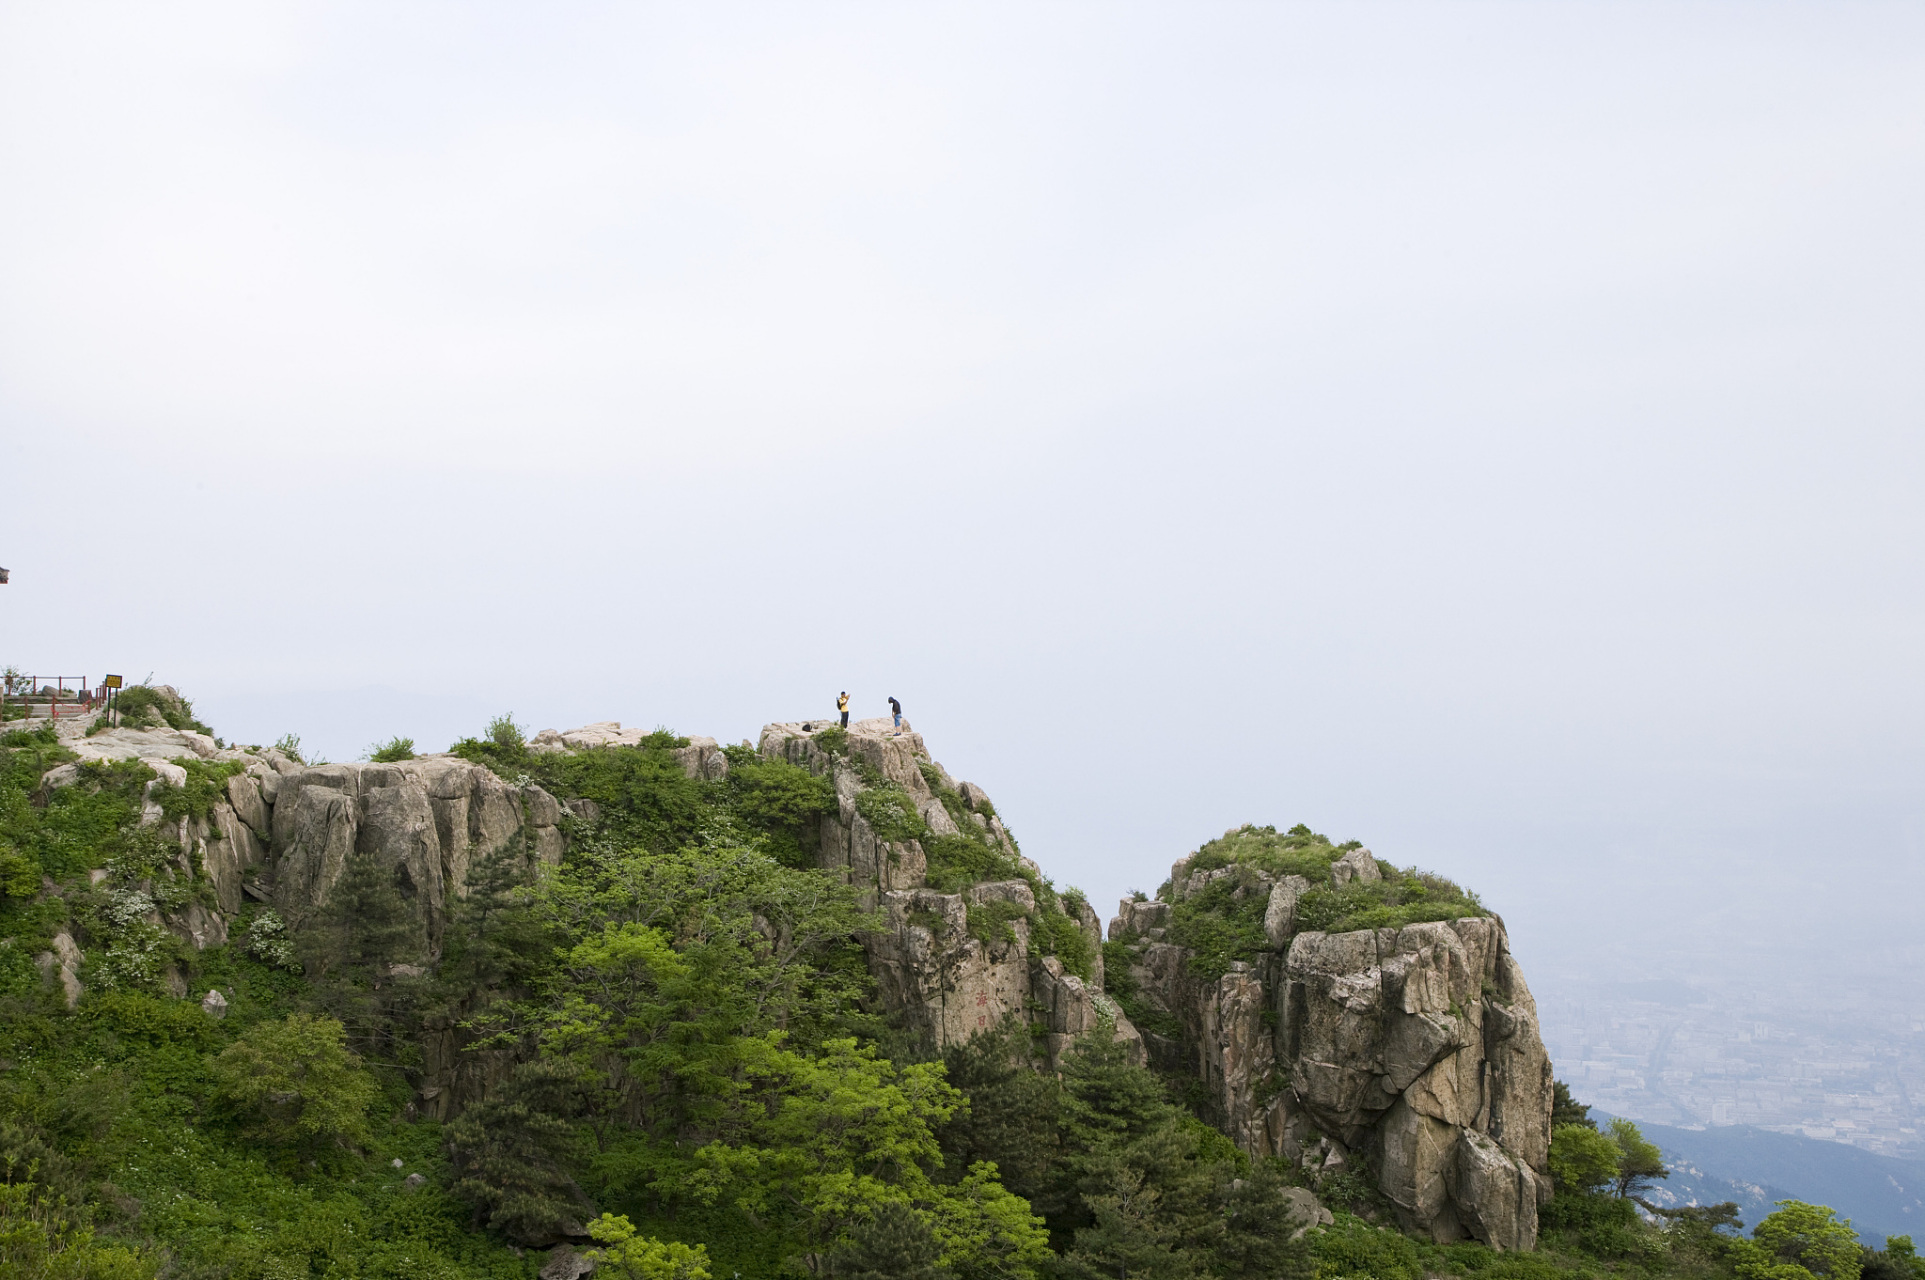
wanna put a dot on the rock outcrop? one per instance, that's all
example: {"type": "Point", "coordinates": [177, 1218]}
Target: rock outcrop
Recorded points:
{"type": "Point", "coordinates": [942, 978]}
{"type": "Point", "coordinates": [1412, 1052]}
{"type": "Point", "coordinates": [429, 819]}
{"type": "Point", "coordinates": [283, 830]}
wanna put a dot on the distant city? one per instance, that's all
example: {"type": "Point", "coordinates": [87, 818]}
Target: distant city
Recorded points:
{"type": "Point", "coordinates": [1840, 1061]}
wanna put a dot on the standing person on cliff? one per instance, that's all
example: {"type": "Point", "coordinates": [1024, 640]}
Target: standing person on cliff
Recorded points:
{"type": "Point", "coordinates": [842, 705]}
{"type": "Point", "coordinates": [895, 709]}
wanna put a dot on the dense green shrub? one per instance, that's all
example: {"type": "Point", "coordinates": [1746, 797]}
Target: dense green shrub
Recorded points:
{"type": "Point", "coordinates": [891, 811]}
{"type": "Point", "coordinates": [393, 751]}
{"type": "Point", "coordinates": [1352, 1247]}
{"type": "Point", "coordinates": [294, 1082]}
{"type": "Point", "coordinates": [1221, 924]}
{"type": "Point", "coordinates": [1061, 936]}
{"type": "Point", "coordinates": [504, 733]}
{"type": "Point", "coordinates": [958, 861]}
{"type": "Point", "coordinates": [993, 921]}
{"type": "Point", "coordinates": [206, 786]}
{"type": "Point", "coordinates": [780, 800]}
{"type": "Point", "coordinates": [145, 707]}
{"type": "Point", "coordinates": [1298, 851]}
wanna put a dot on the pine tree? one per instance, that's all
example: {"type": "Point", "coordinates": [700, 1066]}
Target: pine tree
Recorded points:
{"type": "Point", "coordinates": [893, 1243]}
{"type": "Point", "coordinates": [512, 1151]}
{"type": "Point", "coordinates": [494, 942]}
{"type": "Point", "coordinates": [1014, 1117]}
{"type": "Point", "coordinates": [1251, 1237]}
{"type": "Point", "coordinates": [349, 950]}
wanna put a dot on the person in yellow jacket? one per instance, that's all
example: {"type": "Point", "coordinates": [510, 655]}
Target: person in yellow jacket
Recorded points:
{"type": "Point", "coordinates": [842, 705]}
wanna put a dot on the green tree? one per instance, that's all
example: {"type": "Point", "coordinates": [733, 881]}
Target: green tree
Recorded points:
{"type": "Point", "coordinates": [781, 800]}
{"type": "Point", "coordinates": [1014, 1117]}
{"type": "Point", "coordinates": [350, 947]}
{"type": "Point", "coordinates": [42, 1239]}
{"type": "Point", "coordinates": [630, 1256]}
{"type": "Point", "coordinates": [1254, 1235]}
{"type": "Point", "coordinates": [818, 1142]}
{"type": "Point", "coordinates": [1568, 1110]}
{"type": "Point", "coordinates": [1898, 1260]}
{"type": "Point", "coordinates": [1639, 1162]}
{"type": "Point", "coordinates": [514, 1151]}
{"type": "Point", "coordinates": [1801, 1241]}
{"type": "Point", "coordinates": [986, 1232]}
{"type": "Point", "coordinates": [891, 1243]}
{"type": "Point", "coordinates": [1145, 1193]}
{"type": "Point", "coordinates": [497, 945]}
{"type": "Point", "coordinates": [1583, 1159]}
{"type": "Point", "coordinates": [1132, 1232]}
{"type": "Point", "coordinates": [297, 1082]}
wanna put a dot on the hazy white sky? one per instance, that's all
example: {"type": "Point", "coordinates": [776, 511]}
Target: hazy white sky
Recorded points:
{"type": "Point", "coordinates": [1489, 431]}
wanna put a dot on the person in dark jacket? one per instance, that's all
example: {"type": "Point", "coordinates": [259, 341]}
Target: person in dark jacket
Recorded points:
{"type": "Point", "coordinates": [895, 709]}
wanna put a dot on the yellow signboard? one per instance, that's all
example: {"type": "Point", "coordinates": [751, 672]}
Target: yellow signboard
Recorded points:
{"type": "Point", "coordinates": [112, 682]}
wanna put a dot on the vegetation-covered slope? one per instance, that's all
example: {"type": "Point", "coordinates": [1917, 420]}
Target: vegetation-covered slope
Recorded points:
{"type": "Point", "coordinates": [669, 1040]}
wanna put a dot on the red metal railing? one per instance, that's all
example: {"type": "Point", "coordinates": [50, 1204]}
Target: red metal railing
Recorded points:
{"type": "Point", "coordinates": [51, 692]}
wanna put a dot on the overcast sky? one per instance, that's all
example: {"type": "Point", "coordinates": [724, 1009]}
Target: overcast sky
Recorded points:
{"type": "Point", "coordinates": [1492, 432]}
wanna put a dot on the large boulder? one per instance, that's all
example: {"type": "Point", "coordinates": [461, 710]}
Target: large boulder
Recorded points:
{"type": "Point", "coordinates": [1280, 913]}
{"type": "Point", "coordinates": [1495, 1193]}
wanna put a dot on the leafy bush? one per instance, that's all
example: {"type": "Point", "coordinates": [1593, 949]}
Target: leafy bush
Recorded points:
{"type": "Point", "coordinates": [834, 740]}
{"type": "Point", "coordinates": [145, 707]}
{"type": "Point", "coordinates": [130, 951]}
{"type": "Point", "coordinates": [629, 1256]}
{"type": "Point", "coordinates": [1062, 937]}
{"type": "Point", "coordinates": [268, 942]}
{"type": "Point", "coordinates": [1380, 904]}
{"type": "Point", "coordinates": [206, 786]}
{"type": "Point", "coordinates": [44, 1238]}
{"type": "Point", "coordinates": [958, 861]}
{"type": "Point", "coordinates": [505, 733]}
{"type": "Point", "coordinates": [892, 813]}
{"type": "Point", "coordinates": [295, 1082]}
{"type": "Point", "coordinates": [1801, 1240]}
{"type": "Point", "coordinates": [1221, 924]}
{"type": "Point", "coordinates": [1298, 851]}
{"type": "Point", "coordinates": [780, 800]}
{"type": "Point", "coordinates": [393, 751]}
{"type": "Point", "coordinates": [289, 745]}
{"type": "Point", "coordinates": [992, 921]}
{"type": "Point", "coordinates": [1352, 1247]}
{"type": "Point", "coordinates": [660, 739]}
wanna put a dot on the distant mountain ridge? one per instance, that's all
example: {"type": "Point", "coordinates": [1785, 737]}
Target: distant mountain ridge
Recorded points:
{"type": "Point", "coordinates": [1882, 1195]}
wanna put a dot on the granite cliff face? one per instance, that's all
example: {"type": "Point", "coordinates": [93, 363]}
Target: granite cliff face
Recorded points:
{"type": "Point", "coordinates": [1410, 1054]}
{"type": "Point", "coordinates": [282, 831]}
{"type": "Point", "coordinates": [942, 978]}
